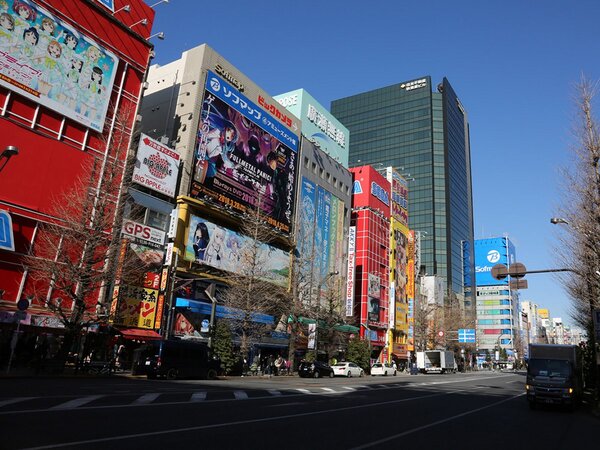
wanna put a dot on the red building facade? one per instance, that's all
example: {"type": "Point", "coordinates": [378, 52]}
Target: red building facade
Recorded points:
{"type": "Point", "coordinates": [62, 105]}
{"type": "Point", "coordinates": [371, 217]}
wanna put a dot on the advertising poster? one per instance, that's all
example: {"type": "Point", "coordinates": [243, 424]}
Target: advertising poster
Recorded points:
{"type": "Point", "coordinates": [350, 271]}
{"type": "Point", "coordinates": [47, 61]}
{"type": "Point", "coordinates": [137, 307]}
{"type": "Point", "coordinates": [399, 200]}
{"type": "Point", "coordinates": [243, 156]}
{"type": "Point", "coordinates": [156, 166]}
{"type": "Point", "coordinates": [306, 225]}
{"type": "Point", "coordinates": [224, 249]}
{"type": "Point", "coordinates": [488, 253]}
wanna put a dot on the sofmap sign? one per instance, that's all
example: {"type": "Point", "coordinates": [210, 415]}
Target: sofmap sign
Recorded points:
{"type": "Point", "coordinates": [488, 253]}
{"type": "Point", "coordinates": [244, 155]}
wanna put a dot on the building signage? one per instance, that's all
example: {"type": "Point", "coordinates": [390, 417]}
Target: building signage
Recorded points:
{"type": "Point", "coordinates": [224, 249]}
{"type": "Point", "coordinates": [271, 108]}
{"type": "Point", "coordinates": [380, 193]}
{"type": "Point", "coordinates": [416, 84]}
{"type": "Point", "coordinates": [229, 77]}
{"type": "Point", "coordinates": [488, 253]}
{"type": "Point", "coordinates": [7, 239]}
{"type": "Point", "coordinates": [399, 203]}
{"type": "Point", "coordinates": [243, 155]}
{"type": "Point", "coordinates": [137, 307]}
{"type": "Point", "coordinates": [110, 4]}
{"type": "Point", "coordinates": [374, 288]}
{"type": "Point", "coordinates": [144, 233]}
{"type": "Point", "coordinates": [289, 100]}
{"type": "Point", "coordinates": [156, 166]}
{"type": "Point", "coordinates": [54, 65]}
{"type": "Point", "coordinates": [350, 273]}
{"type": "Point", "coordinates": [328, 127]}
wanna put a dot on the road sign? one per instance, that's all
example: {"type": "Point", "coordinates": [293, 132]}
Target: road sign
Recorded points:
{"type": "Point", "coordinates": [7, 239]}
{"type": "Point", "coordinates": [440, 333]}
{"type": "Point", "coordinates": [518, 284]}
{"type": "Point", "coordinates": [466, 335]}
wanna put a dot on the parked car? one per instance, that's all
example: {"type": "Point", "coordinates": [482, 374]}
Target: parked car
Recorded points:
{"type": "Point", "coordinates": [347, 369]}
{"type": "Point", "coordinates": [179, 359]}
{"type": "Point", "coordinates": [314, 369]}
{"type": "Point", "coordinates": [384, 369]}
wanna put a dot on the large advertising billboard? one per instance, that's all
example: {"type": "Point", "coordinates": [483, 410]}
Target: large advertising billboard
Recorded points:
{"type": "Point", "coordinates": [223, 249]}
{"type": "Point", "coordinates": [488, 253]}
{"type": "Point", "coordinates": [399, 198]}
{"type": "Point", "coordinates": [49, 62]}
{"type": "Point", "coordinates": [320, 232]}
{"type": "Point", "coordinates": [244, 157]}
{"type": "Point", "coordinates": [156, 166]}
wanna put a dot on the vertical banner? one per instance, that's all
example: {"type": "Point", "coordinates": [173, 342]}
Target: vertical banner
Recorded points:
{"type": "Point", "coordinates": [350, 271]}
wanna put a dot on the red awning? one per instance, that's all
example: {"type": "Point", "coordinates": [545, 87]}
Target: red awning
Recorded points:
{"type": "Point", "coordinates": [138, 333]}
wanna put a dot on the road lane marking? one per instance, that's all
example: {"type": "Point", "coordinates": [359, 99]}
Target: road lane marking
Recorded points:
{"type": "Point", "coordinates": [240, 395]}
{"type": "Point", "coordinates": [432, 424]}
{"type": "Point", "coordinates": [146, 398]}
{"type": "Point", "coordinates": [304, 391]}
{"type": "Point", "coordinates": [76, 403]}
{"type": "Point", "coordinates": [15, 400]}
{"type": "Point", "coordinates": [198, 396]}
{"type": "Point", "coordinates": [230, 424]}
{"type": "Point", "coordinates": [328, 389]}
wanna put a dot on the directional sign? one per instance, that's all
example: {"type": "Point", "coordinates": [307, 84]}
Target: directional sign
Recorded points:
{"type": "Point", "coordinates": [7, 240]}
{"type": "Point", "coordinates": [466, 335]}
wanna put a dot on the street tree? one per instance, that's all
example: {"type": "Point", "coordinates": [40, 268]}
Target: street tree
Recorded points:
{"type": "Point", "coordinates": [251, 291]}
{"type": "Point", "coordinates": [223, 346]}
{"type": "Point", "coordinates": [73, 261]}
{"type": "Point", "coordinates": [359, 352]}
{"type": "Point", "coordinates": [578, 249]}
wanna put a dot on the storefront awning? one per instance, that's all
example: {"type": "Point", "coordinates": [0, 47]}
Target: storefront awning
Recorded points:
{"type": "Point", "coordinates": [138, 333]}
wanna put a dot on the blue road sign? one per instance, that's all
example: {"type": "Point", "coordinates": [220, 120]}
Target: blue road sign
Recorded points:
{"type": "Point", "coordinates": [7, 240]}
{"type": "Point", "coordinates": [466, 335]}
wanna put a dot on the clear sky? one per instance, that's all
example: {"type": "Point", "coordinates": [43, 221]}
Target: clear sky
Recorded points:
{"type": "Point", "coordinates": [513, 64]}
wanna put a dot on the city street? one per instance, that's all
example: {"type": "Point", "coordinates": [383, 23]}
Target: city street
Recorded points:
{"type": "Point", "coordinates": [478, 409]}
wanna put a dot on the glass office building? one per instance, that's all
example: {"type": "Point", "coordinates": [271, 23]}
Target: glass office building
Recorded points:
{"type": "Point", "coordinates": [424, 134]}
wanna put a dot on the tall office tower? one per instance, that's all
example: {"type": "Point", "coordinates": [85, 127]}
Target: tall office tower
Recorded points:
{"type": "Point", "coordinates": [423, 133]}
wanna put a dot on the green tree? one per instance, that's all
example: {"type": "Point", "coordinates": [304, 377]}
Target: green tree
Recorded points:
{"type": "Point", "coordinates": [359, 352]}
{"type": "Point", "coordinates": [223, 346]}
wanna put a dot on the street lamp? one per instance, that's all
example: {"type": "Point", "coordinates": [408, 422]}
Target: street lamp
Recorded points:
{"type": "Point", "coordinates": [6, 154]}
{"type": "Point", "coordinates": [592, 337]}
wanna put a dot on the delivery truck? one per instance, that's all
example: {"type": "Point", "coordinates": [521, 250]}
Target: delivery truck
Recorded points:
{"type": "Point", "coordinates": [554, 375]}
{"type": "Point", "coordinates": [436, 361]}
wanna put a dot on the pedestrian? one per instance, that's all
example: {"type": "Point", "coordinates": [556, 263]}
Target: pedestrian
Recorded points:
{"type": "Point", "coordinates": [120, 357]}
{"type": "Point", "coordinates": [288, 366]}
{"type": "Point", "coordinates": [270, 365]}
{"type": "Point", "coordinates": [279, 365]}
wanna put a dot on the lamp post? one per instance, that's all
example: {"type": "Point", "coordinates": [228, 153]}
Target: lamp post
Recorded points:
{"type": "Point", "coordinates": [592, 337]}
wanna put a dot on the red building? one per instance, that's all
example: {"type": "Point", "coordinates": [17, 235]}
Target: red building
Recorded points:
{"type": "Point", "coordinates": [371, 217]}
{"type": "Point", "coordinates": [71, 80]}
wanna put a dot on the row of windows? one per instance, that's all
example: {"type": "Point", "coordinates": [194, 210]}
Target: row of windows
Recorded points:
{"type": "Point", "coordinates": [337, 184]}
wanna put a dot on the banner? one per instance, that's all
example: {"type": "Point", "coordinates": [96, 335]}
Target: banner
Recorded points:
{"type": "Point", "coordinates": [244, 158]}
{"type": "Point", "coordinates": [224, 249]}
{"type": "Point", "coordinates": [49, 62]}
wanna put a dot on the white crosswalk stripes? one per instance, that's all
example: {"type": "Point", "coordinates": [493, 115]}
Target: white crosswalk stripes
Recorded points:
{"type": "Point", "coordinates": [146, 398]}
{"type": "Point", "coordinates": [198, 396]}
{"type": "Point", "coordinates": [11, 401]}
{"type": "Point", "coordinates": [76, 403]}
{"type": "Point", "coordinates": [240, 395]}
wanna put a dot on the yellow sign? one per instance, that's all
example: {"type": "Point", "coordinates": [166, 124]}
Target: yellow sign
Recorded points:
{"type": "Point", "coordinates": [137, 307]}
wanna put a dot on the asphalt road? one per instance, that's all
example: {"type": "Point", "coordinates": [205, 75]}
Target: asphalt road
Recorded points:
{"type": "Point", "coordinates": [478, 410]}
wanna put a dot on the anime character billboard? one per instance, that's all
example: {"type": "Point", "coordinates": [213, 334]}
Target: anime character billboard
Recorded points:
{"type": "Point", "coordinates": [47, 61]}
{"type": "Point", "coordinates": [224, 249]}
{"type": "Point", "coordinates": [244, 158]}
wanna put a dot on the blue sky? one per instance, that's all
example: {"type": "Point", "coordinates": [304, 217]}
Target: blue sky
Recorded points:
{"type": "Point", "coordinates": [513, 63]}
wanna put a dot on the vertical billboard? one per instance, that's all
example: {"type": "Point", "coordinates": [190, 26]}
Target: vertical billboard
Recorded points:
{"type": "Point", "coordinates": [224, 249]}
{"type": "Point", "coordinates": [488, 253]}
{"type": "Point", "coordinates": [399, 198]}
{"type": "Point", "coordinates": [320, 233]}
{"type": "Point", "coordinates": [350, 273]}
{"type": "Point", "coordinates": [410, 288]}
{"type": "Point", "coordinates": [244, 157]}
{"type": "Point", "coordinates": [51, 63]}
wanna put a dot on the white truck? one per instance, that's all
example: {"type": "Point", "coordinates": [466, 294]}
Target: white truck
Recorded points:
{"type": "Point", "coordinates": [436, 361]}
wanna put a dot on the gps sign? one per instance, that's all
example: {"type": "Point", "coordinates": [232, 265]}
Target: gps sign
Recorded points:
{"type": "Point", "coordinates": [143, 232]}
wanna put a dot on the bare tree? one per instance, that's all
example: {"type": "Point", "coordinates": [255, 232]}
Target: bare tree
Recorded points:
{"type": "Point", "coordinates": [249, 290]}
{"type": "Point", "coordinates": [579, 248]}
{"type": "Point", "coordinates": [73, 260]}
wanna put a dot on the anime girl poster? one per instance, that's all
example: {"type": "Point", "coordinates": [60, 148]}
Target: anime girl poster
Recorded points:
{"type": "Point", "coordinates": [224, 249]}
{"type": "Point", "coordinates": [51, 63]}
